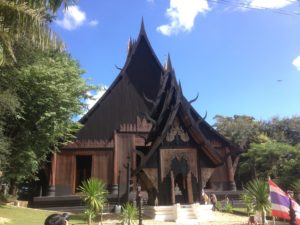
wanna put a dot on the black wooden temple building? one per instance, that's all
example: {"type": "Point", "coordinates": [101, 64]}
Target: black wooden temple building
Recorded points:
{"type": "Point", "coordinates": [144, 122]}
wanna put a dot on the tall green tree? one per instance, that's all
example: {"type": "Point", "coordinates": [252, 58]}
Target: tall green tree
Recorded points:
{"type": "Point", "coordinates": [239, 129]}
{"type": "Point", "coordinates": [8, 106]}
{"type": "Point", "coordinates": [286, 130]}
{"type": "Point", "coordinates": [273, 159]}
{"type": "Point", "coordinates": [49, 89]}
{"type": "Point", "coordinates": [270, 147]}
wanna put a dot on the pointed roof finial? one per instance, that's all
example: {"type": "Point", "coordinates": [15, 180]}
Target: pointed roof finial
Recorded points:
{"type": "Point", "coordinates": [180, 88]}
{"type": "Point", "coordinates": [142, 29]}
{"type": "Point", "coordinates": [130, 45]}
{"type": "Point", "coordinates": [168, 65]}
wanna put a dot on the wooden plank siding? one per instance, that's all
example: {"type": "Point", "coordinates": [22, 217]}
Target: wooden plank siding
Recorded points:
{"type": "Point", "coordinates": [124, 144]}
{"type": "Point", "coordinates": [64, 169]}
{"type": "Point", "coordinates": [102, 167]}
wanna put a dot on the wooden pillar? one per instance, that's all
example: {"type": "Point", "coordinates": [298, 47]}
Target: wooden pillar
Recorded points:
{"type": "Point", "coordinates": [230, 173]}
{"type": "Point", "coordinates": [189, 188]}
{"type": "Point", "coordinates": [54, 161]}
{"type": "Point", "coordinates": [172, 188]}
{"type": "Point", "coordinates": [115, 187]}
{"type": "Point", "coordinates": [73, 173]}
{"type": "Point", "coordinates": [115, 162]}
{"type": "Point", "coordinates": [199, 177]}
{"type": "Point", "coordinates": [51, 191]}
{"type": "Point", "coordinates": [133, 164]}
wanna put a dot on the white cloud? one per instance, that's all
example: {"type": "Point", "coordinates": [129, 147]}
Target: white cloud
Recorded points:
{"type": "Point", "coordinates": [93, 23]}
{"type": "Point", "coordinates": [74, 17]}
{"type": "Point", "coordinates": [95, 97]}
{"type": "Point", "coordinates": [270, 4]}
{"type": "Point", "coordinates": [296, 62]}
{"type": "Point", "coordinates": [182, 14]}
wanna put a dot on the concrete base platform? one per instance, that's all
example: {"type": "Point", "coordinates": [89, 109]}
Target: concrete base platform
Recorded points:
{"type": "Point", "coordinates": [67, 203]}
{"type": "Point", "coordinates": [194, 213]}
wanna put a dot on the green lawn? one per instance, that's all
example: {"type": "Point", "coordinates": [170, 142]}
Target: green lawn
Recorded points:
{"type": "Point", "coordinates": [27, 216]}
{"type": "Point", "coordinates": [240, 211]}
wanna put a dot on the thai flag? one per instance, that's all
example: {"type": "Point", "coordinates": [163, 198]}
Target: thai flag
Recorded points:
{"type": "Point", "coordinates": [280, 203]}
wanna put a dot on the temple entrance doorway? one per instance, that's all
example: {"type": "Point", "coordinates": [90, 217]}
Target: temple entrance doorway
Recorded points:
{"type": "Point", "coordinates": [178, 175]}
{"type": "Point", "coordinates": [180, 189]}
{"type": "Point", "coordinates": [181, 182]}
{"type": "Point", "coordinates": [83, 169]}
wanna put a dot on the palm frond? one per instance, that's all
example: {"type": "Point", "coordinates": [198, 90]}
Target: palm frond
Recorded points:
{"type": "Point", "coordinates": [258, 189]}
{"type": "Point", "coordinates": [129, 214]}
{"type": "Point", "coordinates": [94, 193]}
{"type": "Point", "coordinates": [20, 19]}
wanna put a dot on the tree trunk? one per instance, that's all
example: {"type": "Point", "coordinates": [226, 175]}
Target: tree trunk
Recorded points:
{"type": "Point", "coordinates": [90, 219]}
{"type": "Point", "coordinates": [101, 216]}
{"type": "Point", "coordinates": [263, 217]}
{"type": "Point", "coordinates": [13, 188]}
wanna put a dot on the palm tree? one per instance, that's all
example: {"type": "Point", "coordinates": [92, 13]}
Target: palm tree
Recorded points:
{"type": "Point", "coordinates": [258, 191]}
{"type": "Point", "coordinates": [27, 19]}
{"type": "Point", "coordinates": [94, 194]}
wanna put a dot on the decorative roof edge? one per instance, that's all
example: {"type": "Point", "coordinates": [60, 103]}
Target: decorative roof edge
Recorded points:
{"type": "Point", "coordinates": [134, 44]}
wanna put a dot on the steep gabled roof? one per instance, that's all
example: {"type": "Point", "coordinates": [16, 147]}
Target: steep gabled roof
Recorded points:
{"type": "Point", "coordinates": [170, 103]}
{"type": "Point", "coordinates": [123, 101]}
{"type": "Point", "coordinates": [144, 87]}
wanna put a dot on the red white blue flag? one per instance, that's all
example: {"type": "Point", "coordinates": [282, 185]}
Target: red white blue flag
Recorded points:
{"type": "Point", "coordinates": [280, 203]}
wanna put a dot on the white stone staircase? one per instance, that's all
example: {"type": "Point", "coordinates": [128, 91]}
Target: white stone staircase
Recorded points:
{"type": "Point", "coordinates": [181, 214]}
{"type": "Point", "coordinates": [186, 214]}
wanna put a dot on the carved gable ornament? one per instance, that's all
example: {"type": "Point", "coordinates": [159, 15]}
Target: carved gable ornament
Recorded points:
{"type": "Point", "coordinates": [175, 130]}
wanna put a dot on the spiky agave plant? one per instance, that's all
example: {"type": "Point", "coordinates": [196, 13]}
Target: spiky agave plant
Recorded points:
{"type": "Point", "coordinates": [94, 194]}
{"type": "Point", "coordinates": [248, 201]}
{"type": "Point", "coordinates": [258, 190]}
{"type": "Point", "coordinates": [129, 214]}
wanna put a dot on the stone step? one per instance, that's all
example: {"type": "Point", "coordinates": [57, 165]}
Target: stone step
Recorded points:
{"type": "Point", "coordinates": [190, 221]}
{"type": "Point", "coordinates": [69, 209]}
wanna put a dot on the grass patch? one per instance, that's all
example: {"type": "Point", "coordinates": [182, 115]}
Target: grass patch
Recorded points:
{"type": "Point", "coordinates": [240, 211]}
{"type": "Point", "coordinates": [27, 216]}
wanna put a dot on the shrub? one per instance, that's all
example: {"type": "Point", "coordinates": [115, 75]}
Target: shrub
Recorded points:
{"type": "Point", "coordinates": [219, 206]}
{"type": "Point", "coordinates": [129, 214]}
{"type": "Point", "coordinates": [228, 208]}
{"type": "Point", "coordinates": [7, 198]}
{"type": "Point", "coordinates": [94, 195]}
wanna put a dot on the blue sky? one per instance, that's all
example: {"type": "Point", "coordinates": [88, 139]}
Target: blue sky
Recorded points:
{"type": "Point", "coordinates": [243, 58]}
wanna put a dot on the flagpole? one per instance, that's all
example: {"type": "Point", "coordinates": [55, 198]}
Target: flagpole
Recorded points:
{"type": "Point", "coordinates": [292, 213]}
{"type": "Point", "coordinates": [273, 217]}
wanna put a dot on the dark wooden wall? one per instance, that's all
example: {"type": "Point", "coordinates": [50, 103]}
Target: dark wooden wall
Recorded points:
{"type": "Point", "coordinates": [102, 168]}
{"type": "Point", "coordinates": [219, 179]}
{"type": "Point", "coordinates": [124, 143]}
{"type": "Point", "coordinates": [65, 174]}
